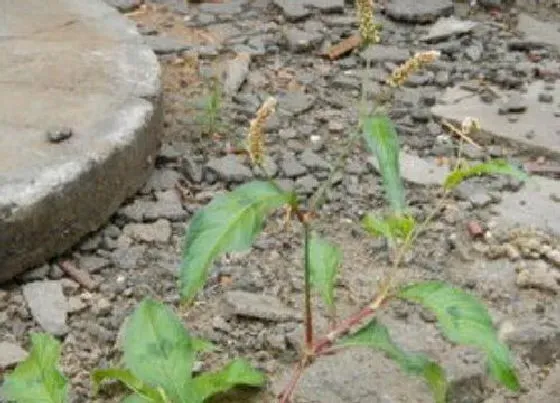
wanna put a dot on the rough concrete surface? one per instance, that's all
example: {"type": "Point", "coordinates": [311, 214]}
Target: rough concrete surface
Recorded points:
{"type": "Point", "coordinates": [79, 68]}
{"type": "Point", "coordinates": [536, 128]}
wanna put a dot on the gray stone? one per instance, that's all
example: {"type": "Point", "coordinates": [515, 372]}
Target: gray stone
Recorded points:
{"type": "Point", "coordinates": [93, 264]}
{"type": "Point", "coordinates": [162, 179]}
{"type": "Point", "coordinates": [291, 167]}
{"type": "Point", "coordinates": [474, 52]}
{"type": "Point", "coordinates": [356, 375]}
{"type": "Point", "coordinates": [124, 6]}
{"type": "Point", "coordinates": [236, 73]}
{"type": "Point", "coordinates": [301, 41]}
{"type": "Point", "coordinates": [11, 354]}
{"type": "Point", "coordinates": [418, 170]}
{"type": "Point", "coordinates": [59, 134]}
{"type": "Point", "coordinates": [314, 162]}
{"type": "Point", "coordinates": [227, 8]}
{"type": "Point", "coordinates": [48, 305]}
{"type": "Point", "coordinates": [191, 169]}
{"type": "Point", "coordinates": [532, 206]}
{"type": "Point", "coordinates": [157, 232]}
{"type": "Point", "coordinates": [419, 11]}
{"type": "Point", "coordinates": [229, 169]}
{"type": "Point", "coordinates": [446, 27]}
{"type": "Point", "coordinates": [535, 130]}
{"type": "Point", "coordinates": [256, 306]}
{"type": "Point", "coordinates": [296, 102]}
{"type": "Point", "coordinates": [162, 45]}
{"type": "Point", "coordinates": [298, 9]}
{"type": "Point", "coordinates": [384, 53]}
{"type": "Point", "coordinates": [306, 184]}
{"type": "Point", "coordinates": [38, 273]}
{"type": "Point", "coordinates": [107, 88]}
{"type": "Point", "coordinates": [129, 257]}
{"type": "Point", "coordinates": [539, 31]}
{"type": "Point", "coordinates": [540, 276]}
{"type": "Point", "coordinates": [538, 337]}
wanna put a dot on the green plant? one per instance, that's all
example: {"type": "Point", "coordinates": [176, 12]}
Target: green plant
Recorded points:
{"type": "Point", "coordinates": [232, 222]}
{"type": "Point", "coordinates": [211, 117]}
{"type": "Point", "coordinates": [158, 359]}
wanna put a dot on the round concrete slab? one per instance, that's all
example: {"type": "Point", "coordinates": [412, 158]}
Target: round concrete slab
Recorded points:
{"type": "Point", "coordinates": [78, 68]}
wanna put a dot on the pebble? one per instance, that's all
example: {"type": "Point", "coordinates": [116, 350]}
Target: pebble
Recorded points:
{"type": "Point", "coordinates": [11, 354]}
{"type": "Point", "coordinates": [291, 167]}
{"type": "Point", "coordinates": [157, 232]}
{"type": "Point", "coordinates": [48, 305]}
{"type": "Point", "coordinates": [59, 134]}
{"type": "Point", "coordinates": [257, 306]}
{"type": "Point", "coordinates": [229, 169]}
{"type": "Point", "coordinates": [539, 276]}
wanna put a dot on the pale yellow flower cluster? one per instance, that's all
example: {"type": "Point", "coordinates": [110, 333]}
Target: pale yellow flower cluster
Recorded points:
{"type": "Point", "coordinates": [401, 73]}
{"type": "Point", "coordinates": [256, 136]}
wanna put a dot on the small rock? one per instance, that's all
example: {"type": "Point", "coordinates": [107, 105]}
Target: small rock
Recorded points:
{"type": "Point", "coordinates": [419, 11]}
{"type": "Point", "coordinates": [301, 41]}
{"type": "Point", "coordinates": [539, 276]}
{"type": "Point", "coordinates": [93, 264]}
{"type": "Point", "coordinates": [306, 184]}
{"type": "Point", "coordinates": [159, 231]}
{"type": "Point", "coordinates": [229, 169]}
{"type": "Point", "coordinates": [48, 305]}
{"type": "Point", "coordinates": [124, 6]}
{"type": "Point", "coordinates": [446, 27]}
{"type": "Point", "coordinates": [545, 97]}
{"type": "Point", "coordinates": [11, 354]}
{"type": "Point", "coordinates": [384, 53]}
{"type": "Point", "coordinates": [162, 179]}
{"type": "Point", "coordinates": [102, 307]}
{"type": "Point", "coordinates": [313, 161]}
{"type": "Point", "coordinates": [291, 167]}
{"type": "Point", "coordinates": [59, 134]}
{"type": "Point", "coordinates": [296, 102]}
{"type": "Point", "coordinates": [38, 273]}
{"type": "Point", "coordinates": [515, 104]}
{"type": "Point", "coordinates": [295, 10]}
{"type": "Point", "coordinates": [256, 306]}
{"type": "Point", "coordinates": [553, 257]}
{"type": "Point", "coordinates": [128, 257]}
{"type": "Point", "coordinates": [162, 45]}
{"type": "Point", "coordinates": [191, 169]}
{"type": "Point", "coordinates": [236, 73]}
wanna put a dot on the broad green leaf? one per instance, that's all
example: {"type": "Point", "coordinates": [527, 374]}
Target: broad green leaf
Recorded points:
{"type": "Point", "coordinates": [38, 379]}
{"type": "Point", "coordinates": [393, 227]}
{"type": "Point", "coordinates": [238, 372]}
{"type": "Point", "coordinates": [158, 350]}
{"type": "Point", "coordinates": [231, 222]}
{"type": "Point", "coordinates": [464, 320]}
{"type": "Point", "coordinates": [324, 261]}
{"type": "Point", "coordinates": [376, 336]}
{"type": "Point", "coordinates": [125, 376]}
{"type": "Point", "coordinates": [383, 143]}
{"type": "Point", "coordinates": [496, 167]}
{"type": "Point", "coordinates": [136, 399]}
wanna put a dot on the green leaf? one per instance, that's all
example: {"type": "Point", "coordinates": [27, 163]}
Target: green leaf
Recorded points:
{"type": "Point", "coordinates": [38, 379]}
{"type": "Point", "coordinates": [495, 167]}
{"type": "Point", "coordinates": [381, 138]}
{"type": "Point", "coordinates": [146, 392]}
{"type": "Point", "coordinates": [238, 372]}
{"type": "Point", "coordinates": [464, 320]}
{"type": "Point", "coordinates": [136, 399]}
{"type": "Point", "coordinates": [324, 261]}
{"type": "Point", "coordinates": [231, 222]}
{"type": "Point", "coordinates": [393, 227]}
{"type": "Point", "coordinates": [158, 350]}
{"type": "Point", "coordinates": [375, 335]}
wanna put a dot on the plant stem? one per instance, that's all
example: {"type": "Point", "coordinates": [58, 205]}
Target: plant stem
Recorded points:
{"type": "Point", "coordinates": [307, 287]}
{"type": "Point", "coordinates": [323, 345]}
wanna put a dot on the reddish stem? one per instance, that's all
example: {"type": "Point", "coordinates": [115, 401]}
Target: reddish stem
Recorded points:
{"type": "Point", "coordinates": [323, 345]}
